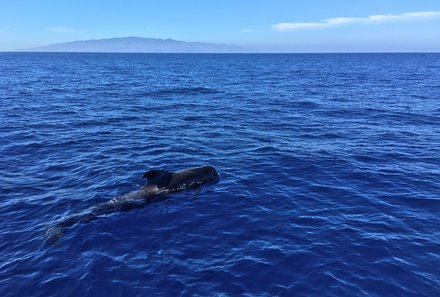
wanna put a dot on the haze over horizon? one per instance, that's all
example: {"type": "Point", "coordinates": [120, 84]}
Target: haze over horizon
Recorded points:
{"type": "Point", "coordinates": [279, 25]}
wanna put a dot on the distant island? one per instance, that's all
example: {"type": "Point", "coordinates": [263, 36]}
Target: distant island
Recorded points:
{"type": "Point", "coordinates": [137, 45]}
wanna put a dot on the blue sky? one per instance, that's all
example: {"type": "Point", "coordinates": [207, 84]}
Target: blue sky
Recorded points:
{"type": "Point", "coordinates": [272, 25]}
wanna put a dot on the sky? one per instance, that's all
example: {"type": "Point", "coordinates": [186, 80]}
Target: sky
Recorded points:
{"type": "Point", "coordinates": [269, 25]}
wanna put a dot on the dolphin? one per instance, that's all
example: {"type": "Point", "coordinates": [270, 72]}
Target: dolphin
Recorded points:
{"type": "Point", "coordinates": [159, 184]}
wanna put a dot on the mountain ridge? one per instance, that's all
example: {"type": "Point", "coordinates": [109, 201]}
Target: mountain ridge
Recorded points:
{"type": "Point", "coordinates": [134, 44]}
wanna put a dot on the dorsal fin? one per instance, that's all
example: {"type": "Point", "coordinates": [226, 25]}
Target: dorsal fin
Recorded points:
{"type": "Point", "coordinates": [161, 178]}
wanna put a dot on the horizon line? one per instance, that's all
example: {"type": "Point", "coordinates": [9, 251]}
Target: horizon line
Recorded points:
{"type": "Point", "coordinates": [221, 53]}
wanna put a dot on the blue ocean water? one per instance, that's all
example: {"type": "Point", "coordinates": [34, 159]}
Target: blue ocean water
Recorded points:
{"type": "Point", "coordinates": [330, 178]}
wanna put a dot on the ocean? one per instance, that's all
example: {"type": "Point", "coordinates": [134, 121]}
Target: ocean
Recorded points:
{"type": "Point", "coordinates": [329, 174]}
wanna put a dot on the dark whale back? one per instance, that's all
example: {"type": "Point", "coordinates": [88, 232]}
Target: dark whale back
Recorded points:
{"type": "Point", "coordinates": [160, 178]}
{"type": "Point", "coordinates": [192, 178]}
{"type": "Point", "coordinates": [180, 180]}
{"type": "Point", "coordinates": [160, 182]}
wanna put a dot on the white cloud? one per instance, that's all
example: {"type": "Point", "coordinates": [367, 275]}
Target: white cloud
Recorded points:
{"type": "Point", "coordinates": [326, 23]}
{"type": "Point", "coordinates": [67, 30]}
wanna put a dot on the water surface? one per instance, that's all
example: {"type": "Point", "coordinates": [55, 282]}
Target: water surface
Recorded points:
{"type": "Point", "coordinates": [329, 174]}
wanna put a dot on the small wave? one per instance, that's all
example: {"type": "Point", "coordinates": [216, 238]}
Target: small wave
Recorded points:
{"type": "Point", "coordinates": [183, 91]}
{"type": "Point", "coordinates": [306, 104]}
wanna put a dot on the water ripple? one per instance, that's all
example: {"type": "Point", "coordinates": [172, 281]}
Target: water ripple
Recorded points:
{"type": "Point", "coordinates": [329, 174]}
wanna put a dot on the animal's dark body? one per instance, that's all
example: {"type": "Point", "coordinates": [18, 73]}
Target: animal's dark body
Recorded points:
{"type": "Point", "coordinates": [159, 184]}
